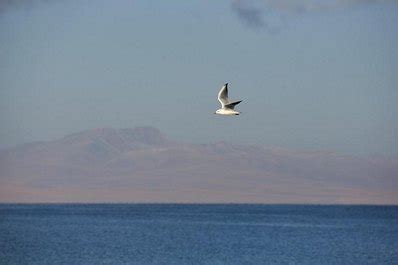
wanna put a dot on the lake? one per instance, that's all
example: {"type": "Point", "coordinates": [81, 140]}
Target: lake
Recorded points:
{"type": "Point", "coordinates": [197, 234]}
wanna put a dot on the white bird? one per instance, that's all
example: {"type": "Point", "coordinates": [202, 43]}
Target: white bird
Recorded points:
{"type": "Point", "coordinates": [227, 106]}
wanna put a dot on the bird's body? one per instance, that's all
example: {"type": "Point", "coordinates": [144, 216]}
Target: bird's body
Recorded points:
{"type": "Point", "coordinates": [227, 112]}
{"type": "Point", "coordinates": [227, 106]}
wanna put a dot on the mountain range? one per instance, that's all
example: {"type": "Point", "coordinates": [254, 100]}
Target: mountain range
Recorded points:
{"type": "Point", "coordinates": [142, 165]}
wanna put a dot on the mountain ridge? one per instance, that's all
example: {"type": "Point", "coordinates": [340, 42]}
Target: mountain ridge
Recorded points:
{"type": "Point", "coordinates": [141, 164]}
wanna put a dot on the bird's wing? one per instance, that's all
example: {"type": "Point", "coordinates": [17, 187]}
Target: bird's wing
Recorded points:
{"type": "Point", "coordinates": [232, 105]}
{"type": "Point", "coordinates": [223, 95]}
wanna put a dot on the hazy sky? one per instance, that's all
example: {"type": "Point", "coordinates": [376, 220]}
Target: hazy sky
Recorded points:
{"type": "Point", "coordinates": [312, 74]}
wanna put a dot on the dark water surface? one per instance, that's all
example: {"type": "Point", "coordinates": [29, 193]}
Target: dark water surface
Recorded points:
{"type": "Point", "coordinates": [197, 234]}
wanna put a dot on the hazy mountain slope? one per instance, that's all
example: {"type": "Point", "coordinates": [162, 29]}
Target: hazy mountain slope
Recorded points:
{"type": "Point", "coordinates": [141, 164]}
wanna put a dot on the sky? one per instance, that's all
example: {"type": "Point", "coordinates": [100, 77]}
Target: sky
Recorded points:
{"type": "Point", "coordinates": [313, 75]}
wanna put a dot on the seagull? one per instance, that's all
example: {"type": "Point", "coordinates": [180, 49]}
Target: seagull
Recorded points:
{"type": "Point", "coordinates": [227, 106]}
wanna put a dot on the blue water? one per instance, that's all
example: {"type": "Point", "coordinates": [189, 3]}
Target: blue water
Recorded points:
{"type": "Point", "coordinates": [197, 234]}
